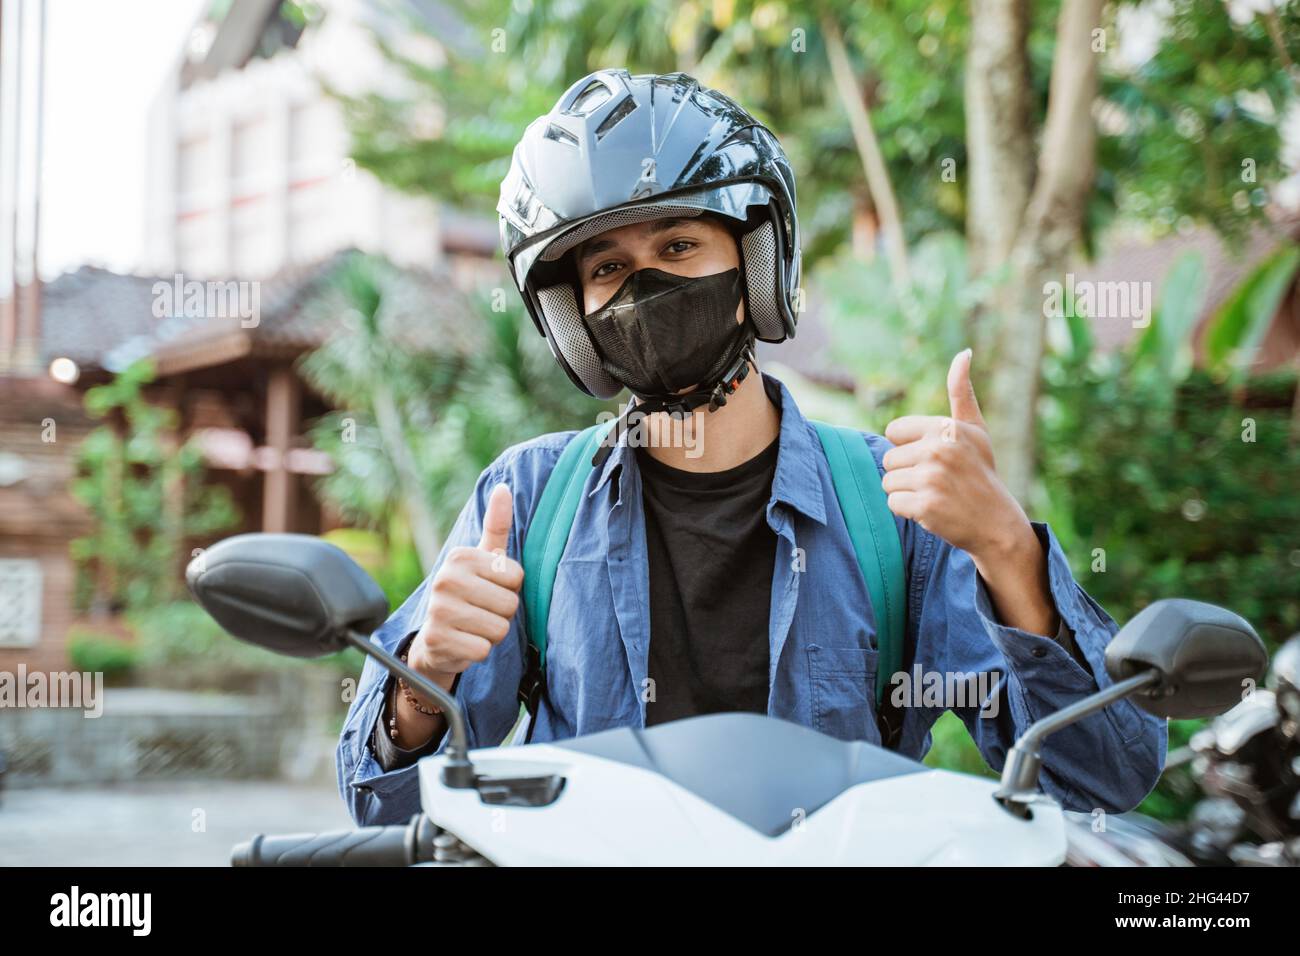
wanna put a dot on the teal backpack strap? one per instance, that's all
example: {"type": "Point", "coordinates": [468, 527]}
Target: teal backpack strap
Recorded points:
{"type": "Point", "coordinates": [871, 526]}
{"type": "Point", "coordinates": [548, 531]}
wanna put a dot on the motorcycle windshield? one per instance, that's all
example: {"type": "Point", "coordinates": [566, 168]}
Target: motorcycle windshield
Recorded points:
{"type": "Point", "coordinates": [760, 770]}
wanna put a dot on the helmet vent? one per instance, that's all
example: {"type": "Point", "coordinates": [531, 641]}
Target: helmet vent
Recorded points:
{"type": "Point", "coordinates": [526, 205]}
{"type": "Point", "coordinates": [561, 135]}
{"type": "Point", "coordinates": [619, 113]}
{"type": "Point", "coordinates": [592, 95]}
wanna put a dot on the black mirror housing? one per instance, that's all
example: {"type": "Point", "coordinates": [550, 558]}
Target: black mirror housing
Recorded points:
{"type": "Point", "coordinates": [290, 593]}
{"type": "Point", "coordinates": [1204, 654]}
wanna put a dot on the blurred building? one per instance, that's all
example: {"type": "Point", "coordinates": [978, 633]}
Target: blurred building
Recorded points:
{"type": "Point", "coordinates": [250, 182]}
{"type": "Point", "coordinates": [252, 173]}
{"type": "Point", "coordinates": [40, 419]}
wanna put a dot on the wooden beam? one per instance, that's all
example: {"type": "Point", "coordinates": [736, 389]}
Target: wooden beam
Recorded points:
{"type": "Point", "coordinates": [283, 411]}
{"type": "Point", "coordinates": [188, 356]}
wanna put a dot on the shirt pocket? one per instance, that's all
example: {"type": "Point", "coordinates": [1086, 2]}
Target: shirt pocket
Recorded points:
{"type": "Point", "coordinates": [585, 657]}
{"type": "Point", "coordinates": [842, 681]}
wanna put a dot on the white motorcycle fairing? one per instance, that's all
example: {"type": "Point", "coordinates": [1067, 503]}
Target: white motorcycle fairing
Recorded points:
{"type": "Point", "coordinates": [738, 790]}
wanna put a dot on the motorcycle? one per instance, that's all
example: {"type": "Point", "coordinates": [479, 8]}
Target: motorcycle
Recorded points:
{"type": "Point", "coordinates": [720, 789]}
{"type": "Point", "coordinates": [1247, 762]}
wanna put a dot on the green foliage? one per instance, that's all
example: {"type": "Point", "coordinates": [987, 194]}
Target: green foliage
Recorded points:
{"type": "Point", "coordinates": [94, 653]}
{"type": "Point", "coordinates": [394, 565]}
{"type": "Point", "coordinates": [1239, 327]}
{"type": "Point", "coordinates": [460, 405]}
{"type": "Point", "coordinates": [952, 748]}
{"type": "Point", "coordinates": [375, 356]}
{"type": "Point", "coordinates": [513, 61]}
{"type": "Point", "coordinates": [512, 391]}
{"type": "Point", "coordinates": [1174, 482]}
{"type": "Point", "coordinates": [1196, 125]}
{"type": "Point", "coordinates": [1190, 134]}
{"type": "Point", "coordinates": [145, 494]}
{"type": "Point", "coordinates": [899, 351]}
{"type": "Point", "coordinates": [1165, 345]}
{"type": "Point", "coordinates": [180, 634]}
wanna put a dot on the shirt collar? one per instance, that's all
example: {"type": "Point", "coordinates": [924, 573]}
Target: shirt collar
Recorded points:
{"type": "Point", "coordinates": [797, 481]}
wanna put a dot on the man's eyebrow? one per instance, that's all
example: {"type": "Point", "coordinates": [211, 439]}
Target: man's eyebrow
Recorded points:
{"type": "Point", "coordinates": [595, 246]}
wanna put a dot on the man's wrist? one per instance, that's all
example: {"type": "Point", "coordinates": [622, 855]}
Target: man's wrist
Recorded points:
{"type": "Point", "coordinates": [1014, 550]}
{"type": "Point", "coordinates": [409, 650]}
{"type": "Point", "coordinates": [391, 753]}
{"type": "Point", "coordinates": [407, 725]}
{"type": "Point", "coordinates": [1016, 575]}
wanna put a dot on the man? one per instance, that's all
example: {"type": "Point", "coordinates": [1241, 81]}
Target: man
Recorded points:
{"type": "Point", "coordinates": [651, 227]}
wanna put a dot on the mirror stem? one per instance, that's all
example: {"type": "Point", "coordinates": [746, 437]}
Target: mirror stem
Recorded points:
{"type": "Point", "coordinates": [1020, 772]}
{"type": "Point", "coordinates": [458, 772]}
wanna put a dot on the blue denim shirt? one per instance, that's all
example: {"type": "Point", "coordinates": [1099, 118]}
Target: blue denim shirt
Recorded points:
{"type": "Point", "coordinates": [821, 635]}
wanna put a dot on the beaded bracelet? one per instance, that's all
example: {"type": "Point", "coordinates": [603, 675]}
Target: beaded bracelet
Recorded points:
{"type": "Point", "coordinates": [410, 696]}
{"type": "Point", "coordinates": [392, 715]}
{"type": "Point", "coordinates": [410, 699]}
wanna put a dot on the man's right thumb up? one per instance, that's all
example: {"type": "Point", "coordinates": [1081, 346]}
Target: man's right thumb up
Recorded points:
{"type": "Point", "coordinates": [497, 520]}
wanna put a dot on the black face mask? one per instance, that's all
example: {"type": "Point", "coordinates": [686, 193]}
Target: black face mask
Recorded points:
{"type": "Point", "coordinates": [661, 333]}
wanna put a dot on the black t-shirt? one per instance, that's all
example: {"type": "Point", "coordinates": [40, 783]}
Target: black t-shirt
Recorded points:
{"type": "Point", "coordinates": [711, 557]}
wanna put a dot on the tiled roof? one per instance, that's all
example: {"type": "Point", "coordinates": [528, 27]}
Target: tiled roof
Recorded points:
{"type": "Point", "coordinates": [102, 318]}
{"type": "Point", "coordinates": [1151, 261]}
{"type": "Point", "coordinates": [86, 313]}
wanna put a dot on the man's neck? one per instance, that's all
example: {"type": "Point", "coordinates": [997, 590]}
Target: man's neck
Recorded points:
{"type": "Point", "coordinates": [715, 441]}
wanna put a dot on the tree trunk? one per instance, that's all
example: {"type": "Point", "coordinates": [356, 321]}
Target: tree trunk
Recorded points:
{"type": "Point", "coordinates": [999, 135]}
{"type": "Point", "coordinates": [1049, 228]}
{"type": "Point", "coordinates": [845, 85]}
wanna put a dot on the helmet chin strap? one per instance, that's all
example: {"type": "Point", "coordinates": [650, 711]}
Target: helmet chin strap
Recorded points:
{"type": "Point", "coordinates": [714, 395]}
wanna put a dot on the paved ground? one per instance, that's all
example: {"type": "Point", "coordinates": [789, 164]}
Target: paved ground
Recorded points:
{"type": "Point", "coordinates": [156, 824]}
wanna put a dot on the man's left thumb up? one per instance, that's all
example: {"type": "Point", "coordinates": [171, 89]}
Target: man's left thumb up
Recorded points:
{"type": "Point", "coordinates": [961, 393]}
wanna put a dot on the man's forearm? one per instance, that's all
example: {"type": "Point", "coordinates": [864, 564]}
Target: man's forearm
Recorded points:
{"type": "Point", "coordinates": [1016, 577]}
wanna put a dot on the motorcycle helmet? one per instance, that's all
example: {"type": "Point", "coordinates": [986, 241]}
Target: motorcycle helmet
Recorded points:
{"type": "Point", "coordinates": [618, 149]}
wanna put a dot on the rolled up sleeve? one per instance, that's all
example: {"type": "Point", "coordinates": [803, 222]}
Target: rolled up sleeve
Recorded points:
{"type": "Point", "coordinates": [486, 690]}
{"type": "Point", "coordinates": [1109, 760]}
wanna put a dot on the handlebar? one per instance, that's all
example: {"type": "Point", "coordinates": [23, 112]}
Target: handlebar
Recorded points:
{"type": "Point", "coordinates": [402, 845]}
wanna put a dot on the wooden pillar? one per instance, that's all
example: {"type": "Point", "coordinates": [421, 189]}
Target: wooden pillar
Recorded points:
{"type": "Point", "coordinates": [279, 487]}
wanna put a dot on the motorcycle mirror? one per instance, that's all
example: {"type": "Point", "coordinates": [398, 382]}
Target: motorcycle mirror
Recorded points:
{"type": "Point", "coordinates": [1206, 657]}
{"type": "Point", "coordinates": [1177, 658]}
{"type": "Point", "coordinates": [290, 593]}
{"type": "Point", "coordinates": [298, 595]}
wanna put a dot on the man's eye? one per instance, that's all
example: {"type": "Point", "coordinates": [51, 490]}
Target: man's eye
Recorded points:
{"type": "Point", "coordinates": [604, 269]}
{"type": "Point", "coordinates": [679, 245]}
